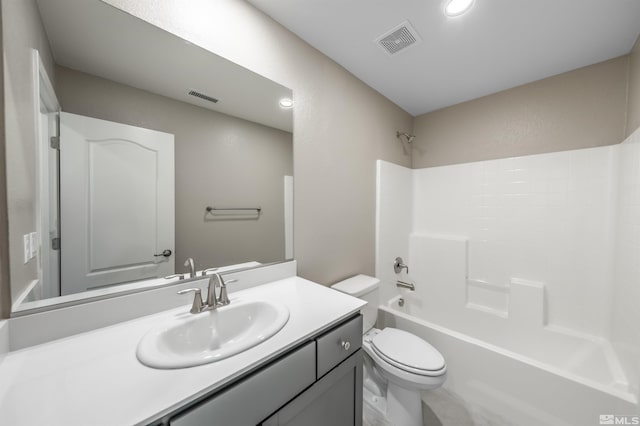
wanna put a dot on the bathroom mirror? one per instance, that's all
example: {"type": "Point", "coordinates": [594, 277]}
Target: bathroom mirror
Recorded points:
{"type": "Point", "coordinates": [130, 150]}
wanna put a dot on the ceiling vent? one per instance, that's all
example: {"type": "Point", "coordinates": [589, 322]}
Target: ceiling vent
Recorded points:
{"type": "Point", "coordinates": [203, 96]}
{"type": "Point", "coordinates": [398, 38]}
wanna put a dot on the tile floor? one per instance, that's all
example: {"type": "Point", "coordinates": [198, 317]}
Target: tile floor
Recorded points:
{"type": "Point", "coordinates": [442, 408]}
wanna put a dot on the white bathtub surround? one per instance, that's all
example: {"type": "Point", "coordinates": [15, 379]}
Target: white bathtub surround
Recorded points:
{"type": "Point", "coordinates": [547, 218]}
{"type": "Point", "coordinates": [535, 258]}
{"type": "Point", "coordinates": [394, 218]}
{"type": "Point", "coordinates": [625, 328]}
{"type": "Point", "coordinates": [511, 316]}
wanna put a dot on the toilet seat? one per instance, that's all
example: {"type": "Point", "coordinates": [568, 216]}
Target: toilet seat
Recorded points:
{"type": "Point", "coordinates": [408, 352]}
{"type": "Point", "coordinates": [399, 375]}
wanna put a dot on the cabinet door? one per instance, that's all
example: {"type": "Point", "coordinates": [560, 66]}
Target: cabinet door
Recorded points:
{"type": "Point", "coordinates": [248, 402]}
{"type": "Point", "coordinates": [334, 400]}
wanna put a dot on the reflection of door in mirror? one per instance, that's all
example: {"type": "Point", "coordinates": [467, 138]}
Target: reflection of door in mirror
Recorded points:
{"type": "Point", "coordinates": [46, 223]}
{"type": "Point", "coordinates": [117, 203]}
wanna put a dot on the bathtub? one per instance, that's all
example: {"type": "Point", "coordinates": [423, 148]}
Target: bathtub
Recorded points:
{"type": "Point", "coordinates": [572, 382]}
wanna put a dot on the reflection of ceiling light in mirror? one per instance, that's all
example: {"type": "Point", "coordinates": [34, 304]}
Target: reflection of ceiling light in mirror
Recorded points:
{"type": "Point", "coordinates": [286, 103]}
{"type": "Point", "coordinates": [457, 7]}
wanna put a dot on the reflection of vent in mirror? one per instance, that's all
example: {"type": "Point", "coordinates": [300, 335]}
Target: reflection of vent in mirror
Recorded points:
{"type": "Point", "coordinates": [398, 38]}
{"type": "Point", "coordinates": [203, 96]}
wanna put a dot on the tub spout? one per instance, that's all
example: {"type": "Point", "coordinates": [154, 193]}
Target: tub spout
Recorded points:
{"type": "Point", "coordinates": [403, 284]}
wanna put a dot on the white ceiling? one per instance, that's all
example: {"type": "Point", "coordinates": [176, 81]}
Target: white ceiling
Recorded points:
{"type": "Point", "coordinates": [98, 39]}
{"type": "Point", "coordinates": [497, 45]}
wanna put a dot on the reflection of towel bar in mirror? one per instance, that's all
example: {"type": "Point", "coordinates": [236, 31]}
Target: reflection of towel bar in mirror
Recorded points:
{"type": "Point", "coordinates": [215, 209]}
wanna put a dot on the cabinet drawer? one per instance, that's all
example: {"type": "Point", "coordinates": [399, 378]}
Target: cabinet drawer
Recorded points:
{"type": "Point", "coordinates": [339, 343]}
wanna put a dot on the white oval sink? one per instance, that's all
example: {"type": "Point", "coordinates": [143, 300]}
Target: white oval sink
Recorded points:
{"type": "Point", "coordinates": [197, 339]}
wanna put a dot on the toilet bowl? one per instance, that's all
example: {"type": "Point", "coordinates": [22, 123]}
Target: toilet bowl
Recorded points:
{"type": "Point", "coordinates": [407, 365]}
{"type": "Point", "coordinates": [398, 364]}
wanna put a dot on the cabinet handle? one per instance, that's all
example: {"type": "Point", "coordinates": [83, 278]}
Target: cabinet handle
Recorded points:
{"type": "Point", "coordinates": [345, 345]}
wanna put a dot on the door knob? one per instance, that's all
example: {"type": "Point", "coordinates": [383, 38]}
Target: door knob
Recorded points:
{"type": "Point", "coordinates": [165, 253]}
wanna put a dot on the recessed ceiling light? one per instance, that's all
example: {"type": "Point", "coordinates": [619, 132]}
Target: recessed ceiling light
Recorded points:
{"type": "Point", "coordinates": [457, 7]}
{"type": "Point", "coordinates": [286, 103]}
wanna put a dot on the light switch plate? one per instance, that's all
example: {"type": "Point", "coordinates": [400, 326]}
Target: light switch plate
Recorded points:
{"type": "Point", "coordinates": [26, 240]}
{"type": "Point", "coordinates": [33, 241]}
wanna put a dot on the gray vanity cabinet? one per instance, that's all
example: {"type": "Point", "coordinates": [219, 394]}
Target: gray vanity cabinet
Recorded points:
{"type": "Point", "coordinates": [316, 384]}
{"type": "Point", "coordinates": [335, 400]}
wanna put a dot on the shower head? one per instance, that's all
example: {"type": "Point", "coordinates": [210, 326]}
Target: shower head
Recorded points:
{"type": "Point", "coordinates": [407, 136]}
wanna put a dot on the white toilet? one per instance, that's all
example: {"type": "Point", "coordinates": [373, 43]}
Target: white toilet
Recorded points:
{"type": "Point", "coordinates": [398, 364]}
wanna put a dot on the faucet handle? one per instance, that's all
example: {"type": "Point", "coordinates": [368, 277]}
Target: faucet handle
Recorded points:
{"type": "Point", "coordinates": [206, 271]}
{"type": "Point", "coordinates": [170, 277]}
{"type": "Point", "coordinates": [197, 299]}
{"type": "Point", "coordinates": [223, 299]}
{"type": "Point", "coordinates": [399, 265]}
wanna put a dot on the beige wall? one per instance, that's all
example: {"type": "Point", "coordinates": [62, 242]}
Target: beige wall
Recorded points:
{"type": "Point", "coordinates": [578, 109]}
{"type": "Point", "coordinates": [22, 31]}
{"type": "Point", "coordinates": [633, 110]}
{"type": "Point", "coordinates": [219, 160]}
{"type": "Point", "coordinates": [341, 126]}
{"type": "Point", "coordinates": [4, 224]}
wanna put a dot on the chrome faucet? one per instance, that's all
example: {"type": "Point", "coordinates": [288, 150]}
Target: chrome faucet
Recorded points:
{"type": "Point", "coordinates": [197, 305]}
{"type": "Point", "coordinates": [223, 298]}
{"type": "Point", "coordinates": [399, 265]}
{"type": "Point", "coordinates": [212, 301]}
{"type": "Point", "coordinates": [192, 267]}
{"type": "Point", "coordinates": [403, 284]}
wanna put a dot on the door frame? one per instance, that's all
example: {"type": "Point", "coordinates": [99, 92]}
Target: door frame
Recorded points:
{"type": "Point", "coordinates": [46, 104]}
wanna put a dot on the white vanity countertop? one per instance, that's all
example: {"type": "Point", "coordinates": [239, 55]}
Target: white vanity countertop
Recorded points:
{"type": "Point", "coordinates": [94, 378]}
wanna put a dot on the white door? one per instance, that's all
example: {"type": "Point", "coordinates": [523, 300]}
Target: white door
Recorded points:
{"type": "Point", "coordinates": [116, 203]}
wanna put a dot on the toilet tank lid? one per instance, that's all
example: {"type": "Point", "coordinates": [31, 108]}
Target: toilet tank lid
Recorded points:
{"type": "Point", "coordinates": [357, 286]}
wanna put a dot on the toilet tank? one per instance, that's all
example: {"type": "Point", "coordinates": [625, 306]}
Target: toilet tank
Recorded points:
{"type": "Point", "coordinates": [366, 288]}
